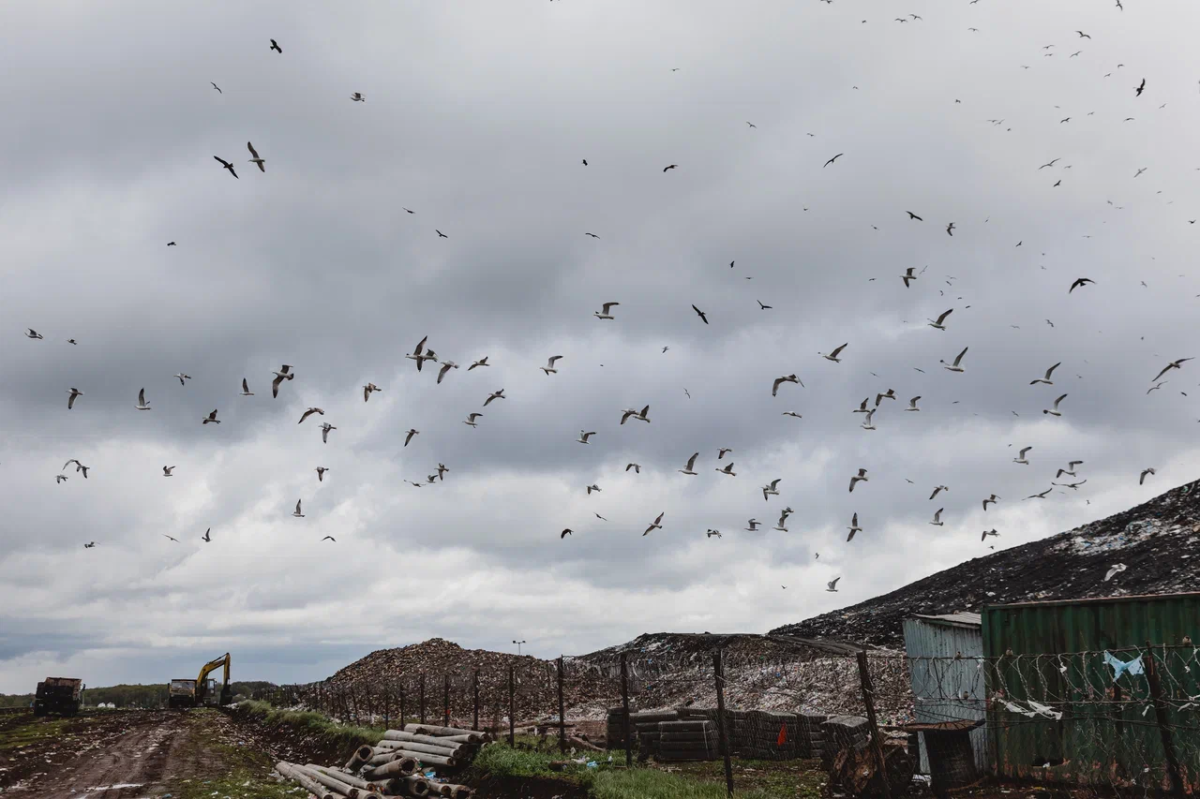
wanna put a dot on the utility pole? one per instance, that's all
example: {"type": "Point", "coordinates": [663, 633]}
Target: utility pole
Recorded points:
{"type": "Point", "coordinates": [518, 643]}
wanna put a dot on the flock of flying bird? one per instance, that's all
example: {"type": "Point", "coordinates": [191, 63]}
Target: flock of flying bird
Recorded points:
{"type": "Point", "coordinates": [421, 355]}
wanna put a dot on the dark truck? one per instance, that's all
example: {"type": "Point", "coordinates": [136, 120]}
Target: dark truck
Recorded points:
{"type": "Point", "coordinates": [60, 695]}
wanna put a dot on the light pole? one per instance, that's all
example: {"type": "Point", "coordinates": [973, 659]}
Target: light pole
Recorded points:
{"type": "Point", "coordinates": [518, 643]}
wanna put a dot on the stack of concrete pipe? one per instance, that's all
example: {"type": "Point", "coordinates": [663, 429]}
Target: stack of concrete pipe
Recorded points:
{"type": "Point", "coordinates": [390, 767]}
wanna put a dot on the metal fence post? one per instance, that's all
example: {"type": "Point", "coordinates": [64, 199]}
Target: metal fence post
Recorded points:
{"type": "Point", "coordinates": [512, 705]}
{"type": "Point", "coordinates": [447, 692]}
{"type": "Point", "coordinates": [422, 697]}
{"type": "Point", "coordinates": [1164, 730]}
{"type": "Point", "coordinates": [562, 716]}
{"type": "Point", "coordinates": [723, 735]}
{"type": "Point", "coordinates": [625, 705]}
{"type": "Point", "coordinates": [868, 691]}
{"type": "Point", "coordinates": [475, 691]}
{"type": "Point", "coordinates": [401, 707]}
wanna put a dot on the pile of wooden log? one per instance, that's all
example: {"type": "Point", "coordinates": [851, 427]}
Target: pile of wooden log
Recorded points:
{"type": "Point", "coordinates": [390, 768]}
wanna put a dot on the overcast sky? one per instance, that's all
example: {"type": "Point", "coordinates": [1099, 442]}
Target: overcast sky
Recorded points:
{"type": "Point", "coordinates": [477, 117]}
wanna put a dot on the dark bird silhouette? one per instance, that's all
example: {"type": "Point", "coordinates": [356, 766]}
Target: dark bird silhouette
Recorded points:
{"type": "Point", "coordinates": [171, 244]}
{"type": "Point", "coordinates": [671, 166]}
{"type": "Point", "coordinates": [1141, 88]}
{"type": "Point", "coordinates": [173, 538]}
{"type": "Point", "coordinates": [1068, 119]}
{"type": "Point", "coordinates": [226, 164]}
{"type": "Point", "coordinates": [1083, 281]}
{"type": "Point", "coordinates": [593, 235]}
{"type": "Point", "coordinates": [762, 307]}
{"type": "Point", "coordinates": [206, 536]}
{"type": "Point", "coordinates": [1052, 163]}
{"type": "Point", "coordinates": [411, 212]}
{"type": "Point", "coordinates": [585, 162]}
{"type": "Point", "coordinates": [831, 160]}
{"type": "Point", "coordinates": [275, 46]}
{"type": "Point", "coordinates": [256, 159]}
{"type": "Point", "coordinates": [751, 124]}
{"type": "Point", "coordinates": [1059, 183]}
{"type": "Point", "coordinates": [1083, 35]}
{"type": "Point", "coordinates": [218, 88]}
{"type": "Point", "coordinates": [700, 313]}
{"type": "Point", "coordinates": [566, 532]}
{"type": "Point", "coordinates": [440, 233]}
{"type": "Point", "coordinates": [911, 215]}
{"type": "Point", "coordinates": [329, 538]}
{"type": "Point", "coordinates": [950, 229]}
{"type": "Point", "coordinates": [89, 546]}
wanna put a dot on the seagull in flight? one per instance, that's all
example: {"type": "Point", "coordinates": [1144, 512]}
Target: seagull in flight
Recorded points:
{"type": "Point", "coordinates": [297, 512]}
{"type": "Point", "coordinates": [861, 476]}
{"type": "Point", "coordinates": [992, 499]}
{"type": "Point", "coordinates": [246, 392]}
{"type": "Point", "coordinates": [1140, 88]}
{"type": "Point", "coordinates": [1046, 378]}
{"type": "Point", "coordinates": [227, 165]}
{"type": "Point", "coordinates": [1142, 478]}
{"type": "Point", "coordinates": [481, 362]}
{"type": "Point", "coordinates": [325, 428]}
{"type": "Point", "coordinates": [1083, 281]}
{"type": "Point", "coordinates": [911, 216]}
{"type": "Point", "coordinates": [606, 310]}
{"type": "Point", "coordinates": [670, 166]}
{"type": "Point", "coordinates": [751, 124]}
{"type": "Point", "coordinates": [275, 46]}
{"type": "Point", "coordinates": [956, 366]}
{"type": "Point", "coordinates": [167, 470]}
{"type": "Point", "coordinates": [321, 473]}
{"type": "Point", "coordinates": [309, 413]}
{"type": "Point", "coordinates": [937, 490]}
{"type": "Point", "coordinates": [831, 160]}
{"type": "Point", "coordinates": [583, 437]}
{"type": "Point", "coordinates": [1051, 163]}
{"type": "Point", "coordinates": [785, 379]}
{"type": "Point", "coordinates": [329, 538]}
{"type": "Point", "coordinates": [182, 377]}
{"type": "Point", "coordinates": [74, 392]}
{"type": "Point", "coordinates": [206, 537]}
{"type": "Point", "coordinates": [691, 463]}
{"type": "Point", "coordinates": [218, 88]}
{"type": "Point", "coordinates": [494, 396]}
{"type": "Point", "coordinates": [1021, 458]}
{"type": "Point", "coordinates": [1055, 411]}
{"type": "Point", "coordinates": [700, 313]}
{"type": "Point", "coordinates": [637, 468]}
{"type": "Point", "coordinates": [549, 367]}
{"type": "Point", "coordinates": [853, 528]}
{"type": "Point", "coordinates": [833, 356]}
{"type": "Point", "coordinates": [1172, 365]}
{"type": "Point", "coordinates": [908, 275]}
{"type": "Point", "coordinates": [173, 538]}
{"type": "Point", "coordinates": [950, 229]}
{"type": "Point", "coordinates": [937, 518]}
{"type": "Point", "coordinates": [285, 373]}
{"type": "Point", "coordinates": [939, 324]}
{"type": "Point", "coordinates": [471, 417]}
{"type": "Point", "coordinates": [762, 307]}
{"type": "Point", "coordinates": [256, 159]}
{"type": "Point", "coordinates": [771, 488]}
{"type": "Point", "coordinates": [656, 524]}
{"type": "Point", "coordinates": [408, 436]}
{"type": "Point", "coordinates": [831, 586]}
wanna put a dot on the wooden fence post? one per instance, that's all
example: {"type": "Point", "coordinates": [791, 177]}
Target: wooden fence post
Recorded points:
{"type": "Point", "coordinates": [422, 697]}
{"type": "Point", "coordinates": [864, 674]}
{"type": "Point", "coordinates": [446, 722]}
{"type": "Point", "coordinates": [562, 716]}
{"type": "Point", "coordinates": [625, 705]}
{"type": "Point", "coordinates": [401, 707]}
{"type": "Point", "coordinates": [723, 735]}
{"type": "Point", "coordinates": [475, 691]}
{"type": "Point", "coordinates": [1164, 730]}
{"type": "Point", "coordinates": [512, 705]}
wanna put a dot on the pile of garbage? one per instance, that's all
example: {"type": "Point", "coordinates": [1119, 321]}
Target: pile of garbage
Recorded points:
{"type": "Point", "coordinates": [404, 763]}
{"type": "Point", "coordinates": [1070, 565]}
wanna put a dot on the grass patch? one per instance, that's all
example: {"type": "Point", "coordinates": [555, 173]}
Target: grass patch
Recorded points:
{"type": "Point", "coordinates": [345, 737]}
{"type": "Point", "coordinates": [35, 731]}
{"type": "Point", "coordinates": [244, 772]}
{"type": "Point", "coordinates": [645, 783]}
{"type": "Point", "coordinates": [753, 779]}
{"type": "Point", "coordinates": [238, 784]}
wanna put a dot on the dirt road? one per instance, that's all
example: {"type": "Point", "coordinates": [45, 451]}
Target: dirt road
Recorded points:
{"type": "Point", "coordinates": [128, 755]}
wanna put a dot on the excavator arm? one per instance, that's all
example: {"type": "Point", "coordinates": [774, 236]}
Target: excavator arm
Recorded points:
{"type": "Point", "coordinates": [208, 668]}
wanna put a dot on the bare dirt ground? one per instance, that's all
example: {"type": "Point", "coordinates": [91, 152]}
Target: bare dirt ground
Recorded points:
{"type": "Point", "coordinates": [128, 755]}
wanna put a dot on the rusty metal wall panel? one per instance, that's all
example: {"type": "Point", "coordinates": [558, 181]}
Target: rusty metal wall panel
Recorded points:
{"type": "Point", "coordinates": [946, 687]}
{"type": "Point", "coordinates": [1053, 653]}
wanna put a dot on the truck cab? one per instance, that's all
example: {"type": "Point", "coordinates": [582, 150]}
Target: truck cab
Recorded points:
{"type": "Point", "coordinates": [181, 694]}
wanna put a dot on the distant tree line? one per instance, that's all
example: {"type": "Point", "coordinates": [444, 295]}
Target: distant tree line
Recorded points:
{"type": "Point", "coordinates": [138, 696]}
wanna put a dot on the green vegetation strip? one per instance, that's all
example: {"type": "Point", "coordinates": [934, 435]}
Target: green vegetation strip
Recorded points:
{"type": "Point", "coordinates": [610, 780]}
{"type": "Point", "coordinates": [344, 737]}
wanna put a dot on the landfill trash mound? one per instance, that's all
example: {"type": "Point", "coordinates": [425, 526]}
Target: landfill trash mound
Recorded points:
{"type": "Point", "coordinates": [1158, 542]}
{"type": "Point", "coordinates": [762, 672]}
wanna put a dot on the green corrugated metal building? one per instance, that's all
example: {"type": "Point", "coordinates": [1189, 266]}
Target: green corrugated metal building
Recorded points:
{"type": "Point", "coordinates": [1069, 695]}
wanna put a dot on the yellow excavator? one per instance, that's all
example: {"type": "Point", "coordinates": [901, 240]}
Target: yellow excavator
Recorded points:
{"type": "Point", "coordinates": [200, 691]}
